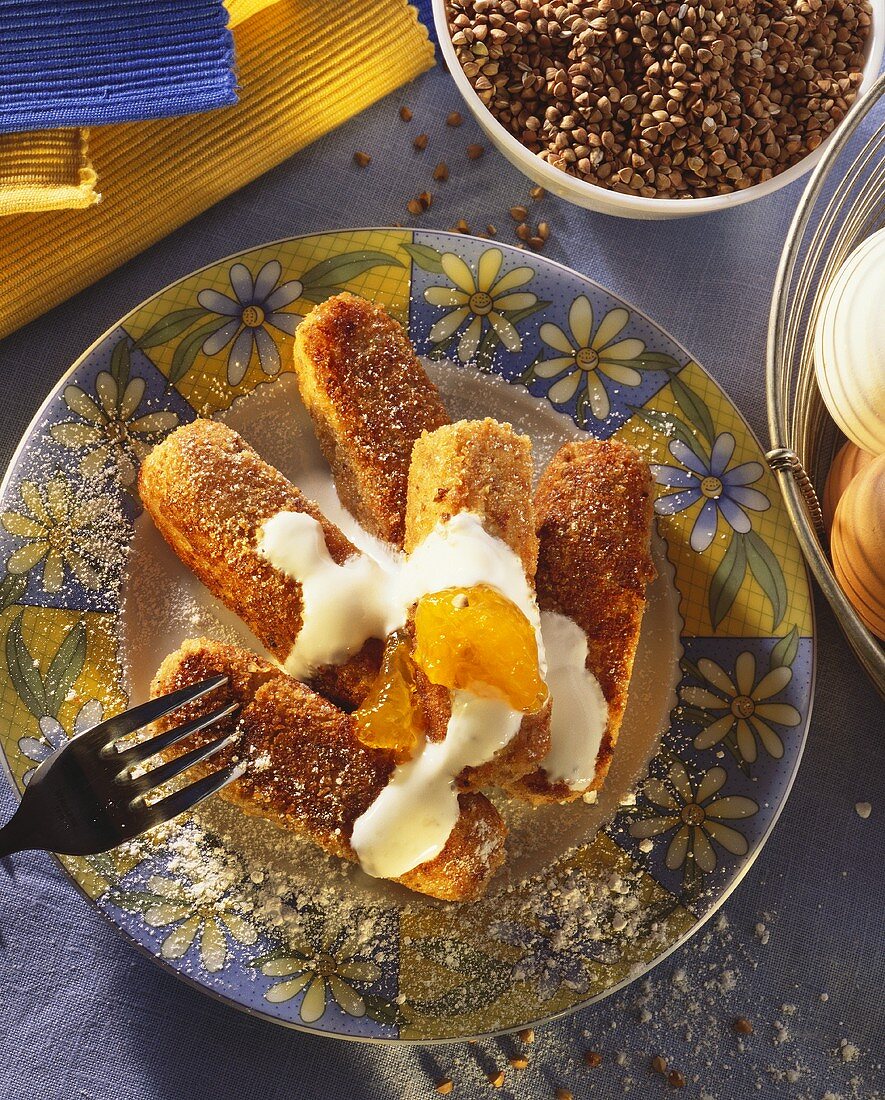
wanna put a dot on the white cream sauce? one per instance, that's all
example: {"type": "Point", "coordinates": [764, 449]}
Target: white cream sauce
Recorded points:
{"type": "Point", "coordinates": [413, 817]}
{"type": "Point", "coordinates": [342, 605]}
{"type": "Point", "coordinates": [579, 712]}
{"type": "Point", "coordinates": [369, 596]}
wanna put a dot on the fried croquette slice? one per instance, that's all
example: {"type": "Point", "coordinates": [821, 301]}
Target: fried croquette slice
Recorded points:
{"type": "Point", "coordinates": [209, 493]}
{"type": "Point", "coordinates": [482, 467]}
{"type": "Point", "coordinates": [593, 506]}
{"type": "Point", "coordinates": [370, 399]}
{"type": "Point", "coordinates": [307, 772]}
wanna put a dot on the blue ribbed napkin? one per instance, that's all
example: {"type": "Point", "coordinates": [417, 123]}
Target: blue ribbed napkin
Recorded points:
{"type": "Point", "coordinates": [89, 62]}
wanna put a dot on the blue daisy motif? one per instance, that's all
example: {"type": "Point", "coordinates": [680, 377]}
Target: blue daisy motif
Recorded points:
{"type": "Point", "coordinates": [724, 490]}
{"type": "Point", "coordinates": [258, 303]}
{"type": "Point", "coordinates": [53, 736]}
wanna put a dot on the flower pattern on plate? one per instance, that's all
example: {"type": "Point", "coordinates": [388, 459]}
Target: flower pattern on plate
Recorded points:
{"type": "Point", "coordinates": [59, 528]}
{"type": "Point", "coordinates": [695, 816]}
{"type": "Point", "coordinates": [244, 319]}
{"type": "Point", "coordinates": [420, 972]}
{"type": "Point", "coordinates": [724, 490]}
{"type": "Point", "coordinates": [482, 297]}
{"type": "Point", "coordinates": [53, 735]}
{"type": "Point", "coordinates": [325, 965]}
{"type": "Point", "coordinates": [742, 704]}
{"type": "Point", "coordinates": [110, 430]}
{"type": "Point", "coordinates": [197, 913]}
{"type": "Point", "coordinates": [585, 356]}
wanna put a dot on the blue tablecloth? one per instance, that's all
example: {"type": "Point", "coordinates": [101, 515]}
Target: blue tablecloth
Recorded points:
{"type": "Point", "coordinates": [85, 1016]}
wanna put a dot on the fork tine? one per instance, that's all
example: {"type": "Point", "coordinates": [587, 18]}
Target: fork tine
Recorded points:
{"type": "Point", "coordinates": [189, 797]}
{"type": "Point", "coordinates": [144, 750]}
{"type": "Point", "coordinates": [164, 772]}
{"type": "Point", "coordinates": [131, 720]}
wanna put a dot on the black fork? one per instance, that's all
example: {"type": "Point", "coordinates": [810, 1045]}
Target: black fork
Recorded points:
{"type": "Point", "coordinates": [83, 799]}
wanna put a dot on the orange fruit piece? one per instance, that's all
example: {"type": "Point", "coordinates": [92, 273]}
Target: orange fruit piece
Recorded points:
{"type": "Point", "coordinates": [476, 640]}
{"type": "Point", "coordinates": [390, 717]}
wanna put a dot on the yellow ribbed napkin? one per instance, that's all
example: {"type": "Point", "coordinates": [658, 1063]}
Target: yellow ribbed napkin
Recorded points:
{"type": "Point", "coordinates": [304, 66]}
{"type": "Point", "coordinates": [46, 170]}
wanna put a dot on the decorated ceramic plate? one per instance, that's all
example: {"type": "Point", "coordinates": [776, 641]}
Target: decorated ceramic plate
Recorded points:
{"type": "Point", "coordinates": [593, 895]}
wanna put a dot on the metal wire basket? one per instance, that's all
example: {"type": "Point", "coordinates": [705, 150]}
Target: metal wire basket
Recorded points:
{"type": "Point", "coordinates": [843, 204]}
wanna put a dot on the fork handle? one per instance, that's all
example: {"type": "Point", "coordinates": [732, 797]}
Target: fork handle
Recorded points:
{"type": "Point", "coordinates": [13, 838]}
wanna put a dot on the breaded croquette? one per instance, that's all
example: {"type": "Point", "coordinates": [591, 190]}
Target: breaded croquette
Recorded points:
{"type": "Point", "coordinates": [208, 494]}
{"type": "Point", "coordinates": [478, 466]}
{"type": "Point", "coordinates": [370, 399]}
{"type": "Point", "coordinates": [594, 517]}
{"type": "Point", "coordinates": [307, 772]}
{"type": "Point", "coordinates": [482, 467]}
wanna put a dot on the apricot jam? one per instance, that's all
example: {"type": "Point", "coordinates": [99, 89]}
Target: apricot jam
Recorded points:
{"type": "Point", "coordinates": [390, 717]}
{"type": "Point", "coordinates": [477, 640]}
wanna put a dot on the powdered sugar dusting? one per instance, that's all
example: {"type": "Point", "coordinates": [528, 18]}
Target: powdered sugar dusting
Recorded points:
{"type": "Point", "coordinates": [557, 908]}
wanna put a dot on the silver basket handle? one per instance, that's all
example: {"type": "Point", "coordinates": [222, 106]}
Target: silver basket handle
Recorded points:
{"type": "Point", "coordinates": [782, 458]}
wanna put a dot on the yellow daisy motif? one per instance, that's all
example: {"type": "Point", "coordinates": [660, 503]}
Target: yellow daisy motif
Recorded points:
{"type": "Point", "coordinates": [324, 971]}
{"type": "Point", "coordinates": [743, 705]}
{"type": "Point", "coordinates": [482, 297]}
{"type": "Point", "coordinates": [586, 355]}
{"type": "Point", "coordinates": [60, 532]}
{"type": "Point", "coordinates": [111, 433]}
{"type": "Point", "coordinates": [696, 815]}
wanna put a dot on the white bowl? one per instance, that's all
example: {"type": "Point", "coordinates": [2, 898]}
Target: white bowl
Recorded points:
{"type": "Point", "coordinates": [613, 202]}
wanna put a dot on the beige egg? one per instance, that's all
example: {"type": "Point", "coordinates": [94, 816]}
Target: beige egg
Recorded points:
{"type": "Point", "coordinates": [847, 464]}
{"type": "Point", "coordinates": [857, 545]}
{"type": "Point", "coordinates": [849, 346]}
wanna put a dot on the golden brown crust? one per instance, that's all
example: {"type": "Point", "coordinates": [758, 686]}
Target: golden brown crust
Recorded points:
{"type": "Point", "coordinates": [483, 467]}
{"type": "Point", "coordinates": [308, 773]}
{"type": "Point", "coordinates": [478, 466]}
{"type": "Point", "coordinates": [209, 493]}
{"type": "Point", "coordinates": [594, 515]}
{"type": "Point", "coordinates": [295, 743]}
{"type": "Point", "coordinates": [370, 399]}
